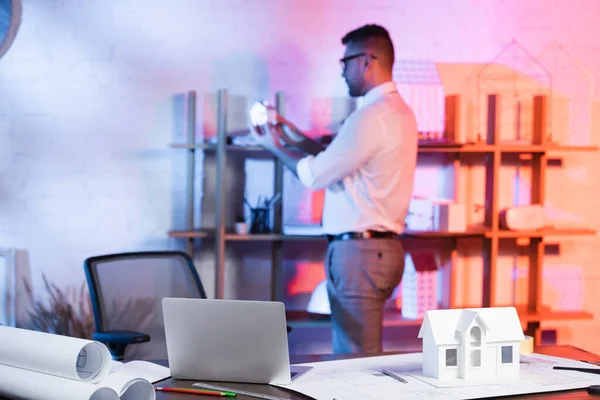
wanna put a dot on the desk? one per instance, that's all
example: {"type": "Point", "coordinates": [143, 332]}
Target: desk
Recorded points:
{"type": "Point", "coordinates": [558, 351]}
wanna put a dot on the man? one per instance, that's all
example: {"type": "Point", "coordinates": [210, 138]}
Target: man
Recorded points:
{"type": "Point", "coordinates": [368, 172]}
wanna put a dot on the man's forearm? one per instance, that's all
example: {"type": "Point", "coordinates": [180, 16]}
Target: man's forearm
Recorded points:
{"type": "Point", "coordinates": [310, 146]}
{"type": "Point", "coordinates": [303, 142]}
{"type": "Point", "coordinates": [288, 157]}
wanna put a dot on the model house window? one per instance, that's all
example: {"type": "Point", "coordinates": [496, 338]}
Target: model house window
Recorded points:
{"type": "Point", "coordinates": [507, 354]}
{"type": "Point", "coordinates": [475, 347]}
{"type": "Point", "coordinates": [476, 358]}
{"type": "Point", "coordinates": [451, 358]}
{"type": "Point", "coordinates": [475, 336]}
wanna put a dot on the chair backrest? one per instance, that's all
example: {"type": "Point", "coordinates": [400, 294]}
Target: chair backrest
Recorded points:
{"type": "Point", "coordinates": [126, 291]}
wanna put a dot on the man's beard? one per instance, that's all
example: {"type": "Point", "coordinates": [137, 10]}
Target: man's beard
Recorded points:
{"type": "Point", "coordinates": [353, 90]}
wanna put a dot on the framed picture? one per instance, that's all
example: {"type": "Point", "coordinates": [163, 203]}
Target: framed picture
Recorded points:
{"type": "Point", "coordinates": [8, 286]}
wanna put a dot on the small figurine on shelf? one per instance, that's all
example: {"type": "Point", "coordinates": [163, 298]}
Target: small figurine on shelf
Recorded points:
{"type": "Point", "coordinates": [241, 228]}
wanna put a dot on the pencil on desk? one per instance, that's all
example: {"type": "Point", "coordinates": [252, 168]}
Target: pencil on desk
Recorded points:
{"type": "Point", "coordinates": [196, 391]}
{"type": "Point", "coordinates": [393, 375]}
{"type": "Point", "coordinates": [590, 370]}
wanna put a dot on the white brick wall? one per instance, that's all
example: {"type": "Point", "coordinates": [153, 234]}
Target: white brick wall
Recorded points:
{"type": "Point", "coordinates": [87, 107]}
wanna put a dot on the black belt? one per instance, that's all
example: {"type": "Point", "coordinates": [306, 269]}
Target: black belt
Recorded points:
{"type": "Point", "coordinates": [362, 235]}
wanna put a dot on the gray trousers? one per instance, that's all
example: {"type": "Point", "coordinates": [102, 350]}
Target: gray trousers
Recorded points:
{"type": "Point", "coordinates": [361, 276]}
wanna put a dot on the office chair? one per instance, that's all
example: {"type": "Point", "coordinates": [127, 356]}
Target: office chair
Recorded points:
{"type": "Point", "coordinates": [126, 291]}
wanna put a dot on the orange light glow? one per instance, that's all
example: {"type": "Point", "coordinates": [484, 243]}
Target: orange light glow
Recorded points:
{"type": "Point", "coordinates": [308, 276]}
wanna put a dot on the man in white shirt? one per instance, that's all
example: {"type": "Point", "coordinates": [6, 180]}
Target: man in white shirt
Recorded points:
{"type": "Point", "coordinates": [367, 171]}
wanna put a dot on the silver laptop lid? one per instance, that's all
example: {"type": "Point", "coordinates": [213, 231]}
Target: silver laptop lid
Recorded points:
{"type": "Point", "coordinates": [227, 340]}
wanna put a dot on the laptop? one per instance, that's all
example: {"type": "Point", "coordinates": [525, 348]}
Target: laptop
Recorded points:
{"type": "Point", "coordinates": [228, 340]}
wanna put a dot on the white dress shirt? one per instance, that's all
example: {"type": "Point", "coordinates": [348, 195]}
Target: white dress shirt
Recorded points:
{"type": "Point", "coordinates": [368, 169]}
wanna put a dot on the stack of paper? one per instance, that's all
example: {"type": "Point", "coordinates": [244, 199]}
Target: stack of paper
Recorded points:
{"type": "Point", "coordinates": [41, 366]}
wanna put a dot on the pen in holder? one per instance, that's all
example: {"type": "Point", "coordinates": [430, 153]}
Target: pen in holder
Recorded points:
{"type": "Point", "coordinates": [259, 220]}
{"type": "Point", "coordinates": [260, 216]}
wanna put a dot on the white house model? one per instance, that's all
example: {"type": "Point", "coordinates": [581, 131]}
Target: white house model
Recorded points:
{"type": "Point", "coordinates": [471, 344]}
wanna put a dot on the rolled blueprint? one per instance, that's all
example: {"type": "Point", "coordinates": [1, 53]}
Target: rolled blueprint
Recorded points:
{"type": "Point", "coordinates": [133, 380]}
{"type": "Point", "coordinates": [22, 383]}
{"type": "Point", "coordinates": [67, 357]}
{"type": "Point", "coordinates": [129, 387]}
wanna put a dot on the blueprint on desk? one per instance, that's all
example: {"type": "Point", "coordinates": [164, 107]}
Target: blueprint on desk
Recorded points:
{"type": "Point", "coordinates": [361, 379]}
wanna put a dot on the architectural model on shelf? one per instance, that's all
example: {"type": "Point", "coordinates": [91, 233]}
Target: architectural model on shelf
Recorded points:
{"type": "Point", "coordinates": [420, 85]}
{"type": "Point", "coordinates": [490, 152]}
{"type": "Point", "coordinates": [472, 344]}
{"type": "Point", "coordinates": [419, 284]}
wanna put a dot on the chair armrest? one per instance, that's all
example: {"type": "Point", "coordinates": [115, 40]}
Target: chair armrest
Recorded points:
{"type": "Point", "coordinates": [120, 337]}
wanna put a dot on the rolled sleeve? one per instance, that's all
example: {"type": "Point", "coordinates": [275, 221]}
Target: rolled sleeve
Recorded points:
{"type": "Point", "coordinates": [354, 145]}
{"type": "Point", "coordinates": [304, 173]}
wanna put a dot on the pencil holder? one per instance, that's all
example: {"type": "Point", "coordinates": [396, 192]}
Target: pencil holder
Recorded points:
{"type": "Point", "coordinates": [259, 220]}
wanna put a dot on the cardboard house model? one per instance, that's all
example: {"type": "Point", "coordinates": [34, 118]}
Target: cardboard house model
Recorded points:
{"type": "Point", "coordinates": [471, 344]}
{"type": "Point", "coordinates": [419, 284]}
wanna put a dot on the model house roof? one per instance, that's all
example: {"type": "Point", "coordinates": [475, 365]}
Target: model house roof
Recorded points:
{"type": "Point", "coordinates": [499, 324]}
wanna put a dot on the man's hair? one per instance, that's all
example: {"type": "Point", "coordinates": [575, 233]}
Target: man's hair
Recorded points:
{"type": "Point", "coordinates": [374, 37]}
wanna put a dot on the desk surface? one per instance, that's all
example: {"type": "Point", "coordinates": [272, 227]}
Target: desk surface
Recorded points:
{"type": "Point", "coordinates": [559, 351]}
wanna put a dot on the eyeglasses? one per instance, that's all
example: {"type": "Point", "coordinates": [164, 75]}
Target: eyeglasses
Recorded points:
{"type": "Point", "coordinates": [344, 61]}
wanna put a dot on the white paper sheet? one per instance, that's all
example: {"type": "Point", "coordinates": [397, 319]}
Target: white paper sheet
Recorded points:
{"type": "Point", "coordinates": [361, 379]}
{"type": "Point", "coordinates": [143, 369]}
{"type": "Point", "coordinates": [25, 384]}
{"type": "Point", "coordinates": [63, 356]}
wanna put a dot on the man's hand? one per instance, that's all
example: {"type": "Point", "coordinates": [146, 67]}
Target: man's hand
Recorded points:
{"type": "Point", "coordinates": [292, 134]}
{"type": "Point", "coordinates": [268, 137]}
{"type": "Point", "coordinates": [282, 132]}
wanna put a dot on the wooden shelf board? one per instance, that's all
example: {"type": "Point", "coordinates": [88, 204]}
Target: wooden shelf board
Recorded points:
{"type": "Point", "coordinates": [567, 147]}
{"type": "Point", "coordinates": [423, 148]}
{"type": "Point", "coordinates": [473, 232]}
{"type": "Point", "coordinates": [541, 233]}
{"type": "Point", "coordinates": [539, 148]}
{"type": "Point", "coordinates": [191, 234]}
{"type": "Point", "coordinates": [233, 237]}
{"type": "Point", "coordinates": [394, 317]}
{"type": "Point", "coordinates": [554, 316]}
{"type": "Point", "coordinates": [455, 148]}
{"type": "Point", "coordinates": [426, 148]}
{"type": "Point", "coordinates": [213, 147]}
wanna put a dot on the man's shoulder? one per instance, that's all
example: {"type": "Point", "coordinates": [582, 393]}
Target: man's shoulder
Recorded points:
{"type": "Point", "coordinates": [391, 106]}
{"type": "Point", "coordinates": [368, 110]}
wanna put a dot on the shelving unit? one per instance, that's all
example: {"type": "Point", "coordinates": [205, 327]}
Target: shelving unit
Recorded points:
{"type": "Point", "coordinates": [491, 152]}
